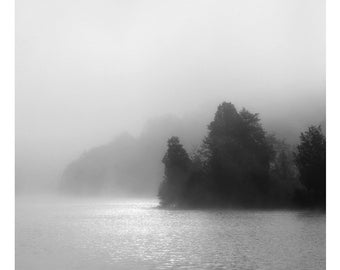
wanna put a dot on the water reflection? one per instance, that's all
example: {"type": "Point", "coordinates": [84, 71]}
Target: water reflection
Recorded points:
{"type": "Point", "coordinates": [136, 235]}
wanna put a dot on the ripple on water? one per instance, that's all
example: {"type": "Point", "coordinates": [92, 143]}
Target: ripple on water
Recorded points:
{"type": "Point", "coordinates": [136, 235]}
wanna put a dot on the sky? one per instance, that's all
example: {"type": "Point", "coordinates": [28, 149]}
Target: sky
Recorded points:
{"type": "Point", "coordinates": [89, 70]}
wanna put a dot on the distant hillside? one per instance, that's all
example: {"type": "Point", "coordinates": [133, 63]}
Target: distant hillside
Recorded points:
{"type": "Point", "coordinates": [130, 166]}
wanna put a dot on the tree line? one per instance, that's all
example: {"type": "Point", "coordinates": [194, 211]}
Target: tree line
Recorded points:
{"type": "Point", "coordinates": [239, 164]}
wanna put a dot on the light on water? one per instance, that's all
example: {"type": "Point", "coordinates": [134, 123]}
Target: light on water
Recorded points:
{"type": "Point", "coordinates": [201, 103]}
{"type": "Point", "coordinates": [137, 235]}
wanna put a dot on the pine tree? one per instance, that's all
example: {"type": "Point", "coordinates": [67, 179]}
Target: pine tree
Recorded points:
{"type": "Point", "coordinates": [311, 162]}
{"type": "Point", "coordinates": [239, 156]}
{"type": "Point", "coordinates": [176, 173]}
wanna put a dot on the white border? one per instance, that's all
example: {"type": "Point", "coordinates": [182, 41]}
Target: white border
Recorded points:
{"type": "Point", "coordinates": [7, 134]}
{"type": "Point", "coordinates": [7, 48]}
{"type": "Point", "coordinates": [333, 132]}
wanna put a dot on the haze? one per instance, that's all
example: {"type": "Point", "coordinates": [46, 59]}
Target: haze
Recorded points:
{"type": "Point", "coordinates": [87, 71]}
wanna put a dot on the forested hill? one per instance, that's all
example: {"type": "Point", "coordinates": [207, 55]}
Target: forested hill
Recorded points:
{"type": "Point", "coordinates": [240, 165]}
{"type": "Point", "coordinates": [128, 165]}
{"type": "Point", "coordinates": [132, 165]}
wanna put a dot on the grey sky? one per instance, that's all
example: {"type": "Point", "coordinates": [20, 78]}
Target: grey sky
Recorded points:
{"type": "Point", "coordinates": [87, 70]}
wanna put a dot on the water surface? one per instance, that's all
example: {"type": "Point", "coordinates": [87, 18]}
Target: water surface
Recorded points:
{"type": "Point", "coordinates": [136, 235]}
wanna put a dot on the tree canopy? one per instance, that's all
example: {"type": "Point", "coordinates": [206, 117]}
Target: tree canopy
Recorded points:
{"type": "Point", "coordinates": [239, 165]}
{"type": "Point", "coordinates": [177, 164]}
{"type": "Point", "coordinates": [311, 162]}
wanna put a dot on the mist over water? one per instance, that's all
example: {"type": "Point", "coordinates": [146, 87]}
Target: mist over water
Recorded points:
{"type": "Point", "coordinates": [111, 94]}
{"type": "Point", "coordinates": [86, 75]}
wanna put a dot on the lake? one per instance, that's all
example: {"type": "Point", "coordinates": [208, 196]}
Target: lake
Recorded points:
{"type": "Point", "coordinates": [135, 235]}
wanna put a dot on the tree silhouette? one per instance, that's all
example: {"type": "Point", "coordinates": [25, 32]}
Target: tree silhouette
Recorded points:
{"type": "Point", "coordinates": [239, 156]}
{"type": "Point", "coordinates": [177, 166]}
{"type": "Point", "coordinates": [311, 162]}
{"type": "Point", "coordinates": [239, 164]}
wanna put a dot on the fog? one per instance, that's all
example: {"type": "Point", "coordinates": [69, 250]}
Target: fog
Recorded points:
{"type": "Point", "coordinates": [88, 71]}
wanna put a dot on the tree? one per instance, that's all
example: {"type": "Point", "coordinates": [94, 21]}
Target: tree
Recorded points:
{"type": "Point", "coordinates": [176, 172]}
{"type": "Point", "coordinates": [238, 155]}
{"type": "Point", "coordinates": [311, 163]}
{"type": "Point", "coordinates": [222, 151]}
{"type": "Point", "coordinates": [239, 164]}
{"type": "Point", "coordinates": [197, 190]}
{"type": "Point", "coordinates": [283, 173]}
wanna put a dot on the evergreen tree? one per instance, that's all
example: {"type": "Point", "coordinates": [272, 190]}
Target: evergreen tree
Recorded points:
{"type": "Point", "coordinates": [238, 164]}
{"type": "Point", "coordinates": [239, 156]}
{"type": "Point", "coordinates": [311, 162]}
{"type": "Point", "coordinates": [176, 173]}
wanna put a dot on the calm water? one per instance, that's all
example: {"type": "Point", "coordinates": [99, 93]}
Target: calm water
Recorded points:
{"type": "Point", "coordinates": [135, 235]}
